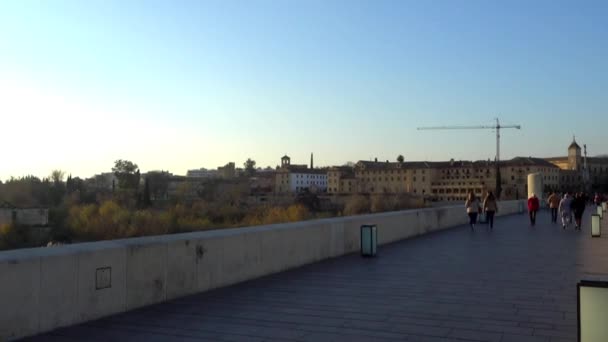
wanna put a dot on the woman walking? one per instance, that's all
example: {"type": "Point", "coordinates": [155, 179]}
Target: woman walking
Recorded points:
{"type": "Point", "coordinates": [490, 207]}
{"type": "Point", "coordinates": [473, 208]}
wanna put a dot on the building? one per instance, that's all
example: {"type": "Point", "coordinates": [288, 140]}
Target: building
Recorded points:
{"type": "Point", "coordinates": [514, 175]}
{"type": "Point", "coordinates": [202, 173]}
{"type": "Point", "coordinates": [577, 172]}
{"type": "Point", "coordinates": [393, 177]}
{"type": "Point", "coordinates": [227, 171]}
{"type": "Point", "coordinates": [33, 217]}
{"type": "Point", "coordinates": [454, 180]}
{"type": "Point", "coordinates": [292, 178]}
{"type": "Point", "coordinates": [440, 181]}
{"type": "Point", "coordinates": [341, 180]}
{"type": "Point", "coordinates": [103, 181]}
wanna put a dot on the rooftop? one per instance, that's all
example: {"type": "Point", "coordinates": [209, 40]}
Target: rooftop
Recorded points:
{"type": "Point", "coordinates": [517, 161]}
{"type": "Point", "coordinates": [574, 145]}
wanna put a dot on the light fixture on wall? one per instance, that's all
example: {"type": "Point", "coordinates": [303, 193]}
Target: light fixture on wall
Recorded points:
{"type": "Point", "coordinates": [369, 240]}
{"type": "Point", "coordinates": [592, 298]}
{"type": "Point", "coordinates": [595, 226]}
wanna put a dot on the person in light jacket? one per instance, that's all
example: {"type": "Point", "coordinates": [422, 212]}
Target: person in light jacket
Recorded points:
{"type": "Point", "coordinates": [565, 210]}
{"type": "Point", "coordinates": [490, 207]}
{"type": "Point", "coordinates": [473, 208]}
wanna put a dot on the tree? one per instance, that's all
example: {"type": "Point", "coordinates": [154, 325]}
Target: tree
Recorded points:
{"type": "Point", "coordinates": [58, 188]}
{"type": "Point", "coordinates": [146, 200]}
{"type": "Point", "coordinates": [69, 185]}
{"type": "Point", "coordinates": [159, 184]}
{"type": "Point", "coordinates": [127, 174]}
{"type": "Point", "coordinates": [400, 158]}
{"type": "Point", "coordinates": [249, 167]}
{"type": "Point", "coordinates": [57, 176]}
{"type": "Point", "coordinates": [28, 191]}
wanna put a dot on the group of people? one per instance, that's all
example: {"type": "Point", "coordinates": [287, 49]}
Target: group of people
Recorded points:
{"type": "Point", "coordinates": [474, 208]}
{"type": "Point", "coordinates": [565, 206]}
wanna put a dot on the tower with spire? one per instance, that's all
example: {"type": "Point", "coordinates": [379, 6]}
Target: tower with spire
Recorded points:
{"type": "Point", "coordinates": [574, 156]}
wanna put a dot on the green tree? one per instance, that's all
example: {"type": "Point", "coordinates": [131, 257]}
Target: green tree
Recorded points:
{"type": "Point", "coordinates": [400, 158]}
{"type": "Point", "coordinates": [57, 176]}
{"type": "Point", "coordinates": [58, 188]}
{"type": "Point", "coordinates": [127, 174]}
{"type": "Point", "coordinates": [249, 167]}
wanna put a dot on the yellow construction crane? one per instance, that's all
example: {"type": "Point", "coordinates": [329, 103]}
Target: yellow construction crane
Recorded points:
{"type": "Point", "coordinates": [496, 127]}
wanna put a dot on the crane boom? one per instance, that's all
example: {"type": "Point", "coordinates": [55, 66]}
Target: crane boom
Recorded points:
{"type": "Point", "coordinates": [469, 127]}
{"type": "Point", "coordinates": [497, 127]}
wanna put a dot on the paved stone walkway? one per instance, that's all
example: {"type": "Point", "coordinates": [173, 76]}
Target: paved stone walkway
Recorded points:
{"type": "Point", "coordinates": [515, 283]}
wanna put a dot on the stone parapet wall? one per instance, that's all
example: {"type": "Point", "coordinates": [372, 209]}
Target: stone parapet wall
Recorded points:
{"type": "Point", "coordinates": [45, 288]}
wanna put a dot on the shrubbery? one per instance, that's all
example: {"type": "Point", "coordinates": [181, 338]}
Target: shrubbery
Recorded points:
{"type": "Point", "coordinates": [270, 215]}
{"type": "Point", "coordinates": [87, 210]}
{"type": "Point", "coordinates": [111, 221]}
{"type": "Point", "coordinates": [357, 204]}
{"type": "Point", "coordinates": [14, 236]}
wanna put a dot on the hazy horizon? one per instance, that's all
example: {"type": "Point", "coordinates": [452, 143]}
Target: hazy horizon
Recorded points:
{"type": "Point", "coordinates": [260, 166]}
{"type": "Point", "coordinates": [184, 85]}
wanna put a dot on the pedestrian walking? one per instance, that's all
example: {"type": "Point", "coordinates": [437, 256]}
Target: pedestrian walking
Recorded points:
{"type": "Point", "coordinates": [565, 210]}
{"type": "Point", "coordinates": [473, 209]}
{"type": "Point", "coordinates": [578, 208]}
{"type": "Point", "coordinates": [553, 202]}
{"type": "Point", "coordinates": [533, 206]}
{"type": "Point", "coordinates": [490, 208]}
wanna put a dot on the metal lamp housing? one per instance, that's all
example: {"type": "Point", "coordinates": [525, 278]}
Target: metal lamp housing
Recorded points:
{"type": "Point", "coordinates": [369, 240]}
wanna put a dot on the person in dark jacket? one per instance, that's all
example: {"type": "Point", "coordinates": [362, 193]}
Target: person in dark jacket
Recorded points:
{"type": "Point", "coordinates": [533, 206]}
{"type": "Point", "coordinates": [578, 207]}
{"type": "Point", "coordinates": [490, 207]}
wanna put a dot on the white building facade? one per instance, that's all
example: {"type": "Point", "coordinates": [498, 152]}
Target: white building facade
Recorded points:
{"type": "Point", "coordinates": [303, 180]}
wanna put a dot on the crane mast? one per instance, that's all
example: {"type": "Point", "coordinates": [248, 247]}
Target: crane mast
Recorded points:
{"type": "Point", "coordinates": [497, 127]}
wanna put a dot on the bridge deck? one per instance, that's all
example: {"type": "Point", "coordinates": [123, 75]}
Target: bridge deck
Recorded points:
{"type": "Point", "coordinates": [515, 283]}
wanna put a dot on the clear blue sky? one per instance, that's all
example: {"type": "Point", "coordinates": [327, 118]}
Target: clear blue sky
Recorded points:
{"type": "Point", "coordinates": [184, 84]}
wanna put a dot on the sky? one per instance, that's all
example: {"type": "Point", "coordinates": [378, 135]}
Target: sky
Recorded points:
{"type": "Point", "coordinates": [178, 85]}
